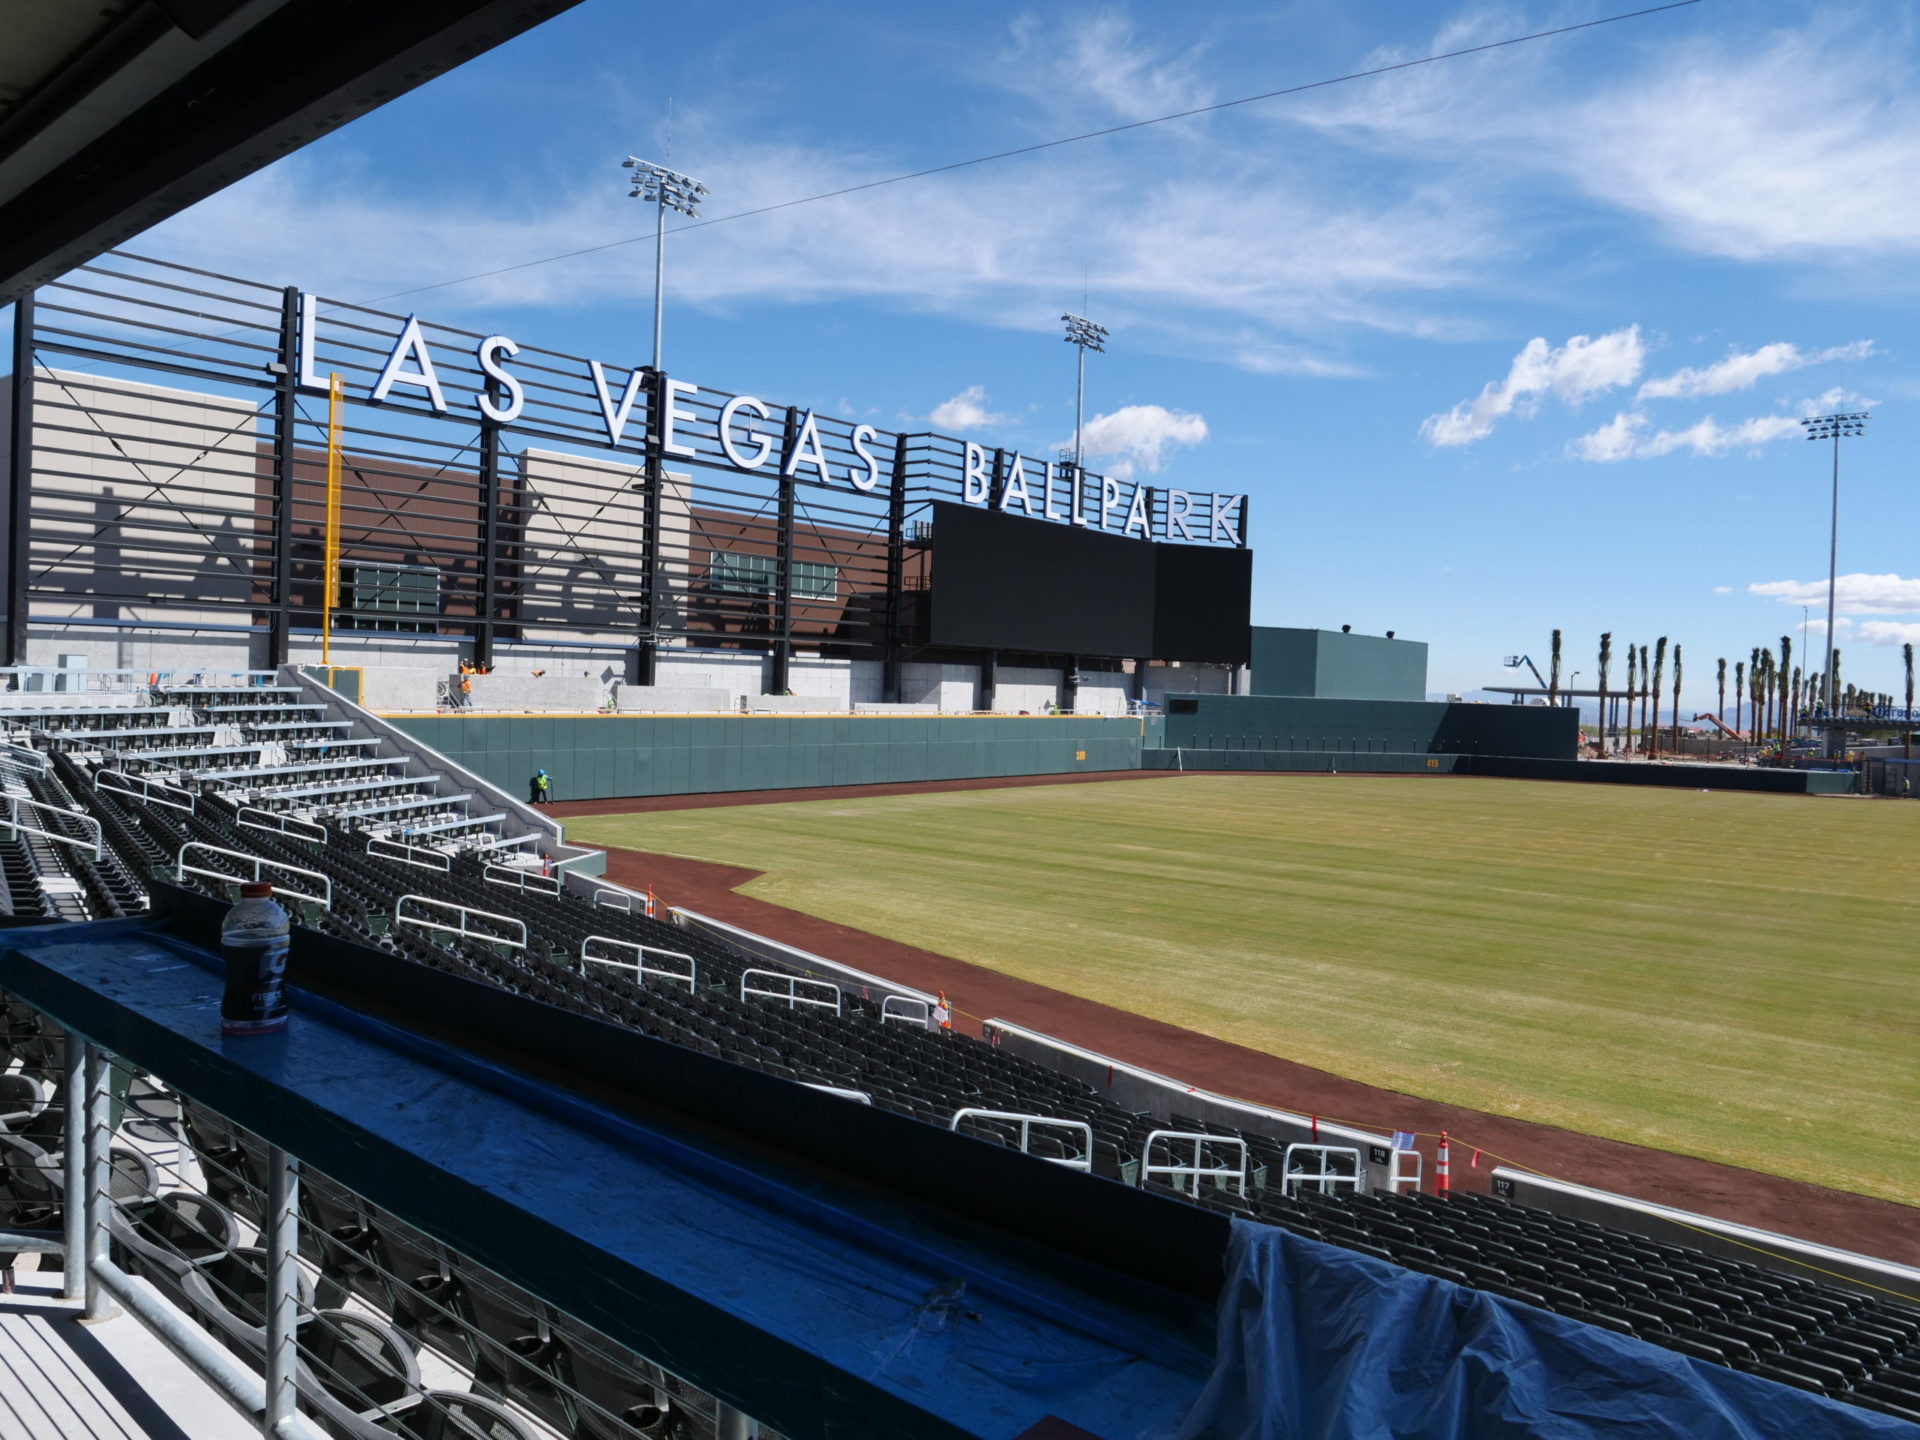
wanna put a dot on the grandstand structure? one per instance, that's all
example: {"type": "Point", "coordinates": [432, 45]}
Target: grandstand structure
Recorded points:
{"type": "Point", "coordinates": [173, 784]}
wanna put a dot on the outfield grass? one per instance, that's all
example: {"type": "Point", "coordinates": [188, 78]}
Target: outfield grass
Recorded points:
{"type": "Point", "coordinates": [1733, 976]}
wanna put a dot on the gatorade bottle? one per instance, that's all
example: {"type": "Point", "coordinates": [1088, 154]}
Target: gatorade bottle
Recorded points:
{"type": "Point", "coordinates": [254, 941]}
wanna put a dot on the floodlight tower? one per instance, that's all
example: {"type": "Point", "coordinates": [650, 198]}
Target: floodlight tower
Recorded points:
{"type": "Point", "coordinates": [1083, 335]}
{"type": "Point", "coordinates": [1834, 428]}
{"type": "Point", "coordinates": [668, 190]}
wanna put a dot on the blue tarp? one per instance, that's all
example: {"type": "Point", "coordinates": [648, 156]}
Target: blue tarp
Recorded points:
{"type": "Point", "coordinates": [1319, 1343]}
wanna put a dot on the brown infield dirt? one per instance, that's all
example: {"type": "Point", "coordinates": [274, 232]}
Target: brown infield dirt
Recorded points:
{"type": "Point", "coordinates": [1748, 1197]}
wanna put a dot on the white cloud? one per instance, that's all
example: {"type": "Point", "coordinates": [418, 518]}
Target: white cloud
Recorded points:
{"type": "Point", "coordinates": [1139, 437]}
{"type": "Point", "coordinates": [1582, 367]}
{"type": "Point", "coordinates": [1889, 632]}
{"type": "Point", "coordinates": [965, 411]}
{"type": "Point", "coordinates": [1627, 437]}
{"type": "Point", "coordinates": [1723, 589]}
{"type": "Point", "coordinates": [1856, 594]}
{"type": "Point", "coordinates": [1744, 371]}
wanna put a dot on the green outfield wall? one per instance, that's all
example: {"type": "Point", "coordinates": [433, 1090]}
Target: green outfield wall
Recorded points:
{"type": "Point", "coordinates": [1369, 727]}
{"type": "Point", "coordinates": [603, 756]}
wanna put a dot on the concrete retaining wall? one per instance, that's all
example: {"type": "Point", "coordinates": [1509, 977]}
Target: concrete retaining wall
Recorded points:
{"type": "Point", "coordinates": [671, 700]}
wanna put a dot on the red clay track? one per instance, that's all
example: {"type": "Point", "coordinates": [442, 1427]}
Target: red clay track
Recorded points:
{"type": "Point", "coordinates": [1833, 1217]}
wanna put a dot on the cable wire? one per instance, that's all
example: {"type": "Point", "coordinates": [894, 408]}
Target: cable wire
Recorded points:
{"type": "Point", "coordinates": [1051, 145]}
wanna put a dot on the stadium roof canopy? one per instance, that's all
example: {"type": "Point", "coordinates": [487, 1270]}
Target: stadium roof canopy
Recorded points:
{"type": "Point", "coordinates": [115, 114]}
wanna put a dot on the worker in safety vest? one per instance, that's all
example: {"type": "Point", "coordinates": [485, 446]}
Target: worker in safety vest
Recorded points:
{"type": "Point", "coordinates": [942, 1012]}
{"type": "Point", "coordinates": [542, 787]}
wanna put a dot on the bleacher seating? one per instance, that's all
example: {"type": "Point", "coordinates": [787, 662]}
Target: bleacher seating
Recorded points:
{"type": "Point", "coordinates": [1784, 1326]}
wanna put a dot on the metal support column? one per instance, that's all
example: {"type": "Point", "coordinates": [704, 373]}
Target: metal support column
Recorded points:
{"type": "Point", "coordinates": [283, 1287]}
{"type": "Point", "coordinates": [647, 655]}
{"type": "Point", "coordinates": [730, 1424]}
{"type": "Point", "coordinates": [780, 682]}
{"type": "Point", "coordinates": [989, 677]}
{"type": "Point", "coordinates": [1140, 668]}
{"type": "Point", "coordinates": [73, 1213]}
{"type": "Point", "coordinates": [99, 1177]}
{"type": "Point", "coordinates": [487, 606]}
{"type": "Point", "coordinates": [1070, 686]}
{"type": "Point", "coordinates": [20, 482]}
{"type": "Point", "coordinates": [286, 417]}
{"type": "Point", "coordinates": [896, 573]}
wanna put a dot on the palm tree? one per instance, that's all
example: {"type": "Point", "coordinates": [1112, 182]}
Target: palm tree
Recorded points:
{"type": "Point", "coordinates": [1606, 659]}
{"type": "Point", "coordinates": [1644, 673]}
{"type": "Point", "coordinates": [1659, 665]}
{"type": "Point", "coordinates": [1740, 698]}
{"type": "Point", "coordinates": [1799, 695]}
{"type": "Point", "coordinates": [1720, 679]}
{"type": "Point", "coordinates": [1787, 715]}
{"type": "Point", "coordinates": [1753, 696]}
{"type": "Point", "coordinates": [1553, 683]}
{"type": "Point", "coordinates": [1906, 654]}
{"type": "Point", "coordinates": [1633, 689]}
{"type": "Point", "coordinates": [1676, 697]}
{"type": "Point", "coordinates": [1767, 676]}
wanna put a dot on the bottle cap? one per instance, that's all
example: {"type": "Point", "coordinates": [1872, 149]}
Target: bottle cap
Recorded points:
{"type": "Point", "coordinates": [255, 890]}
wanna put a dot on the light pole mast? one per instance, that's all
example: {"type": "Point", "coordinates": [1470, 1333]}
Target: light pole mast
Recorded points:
{"type": "Point", "coordinates": [1834, 428]}
{"type": "Point", "coordinates": [668, 190]}
{"type": "Point", "coordinates": [1083, 335]}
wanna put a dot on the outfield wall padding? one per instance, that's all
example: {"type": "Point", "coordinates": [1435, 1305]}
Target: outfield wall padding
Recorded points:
{"type": "Point", "coordinates": [601, 756]}
{"type": "Point", "coordinates": [1376, 727]}
{"type": "Point", "coordinates": [1683, 777]}
{"type": "Point", "coordinates": [1310, 762]}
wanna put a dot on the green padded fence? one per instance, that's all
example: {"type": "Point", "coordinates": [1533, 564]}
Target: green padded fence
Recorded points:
{"type": "Point", "coordinates": [604, 756]}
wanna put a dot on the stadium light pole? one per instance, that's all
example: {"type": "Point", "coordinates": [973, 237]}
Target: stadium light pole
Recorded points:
{"type": "Point", "coordinates": [1083, 335]}
{"type": "Point", "coordinates": [668, 190]}
{"type": "Point", "coordinates": [1834, 428]}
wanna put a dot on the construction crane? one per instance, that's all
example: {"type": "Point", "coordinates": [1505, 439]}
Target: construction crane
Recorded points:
{"type": "Point", "coordinates": [1514, 662]}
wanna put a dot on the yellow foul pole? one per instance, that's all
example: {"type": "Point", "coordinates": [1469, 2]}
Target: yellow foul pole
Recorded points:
{"type": "Point", "coordinates": [331, 553]}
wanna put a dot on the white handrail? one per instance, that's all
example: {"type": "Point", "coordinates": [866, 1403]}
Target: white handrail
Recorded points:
{"type": "Point", "coordinates": [13, 822]}
{"type": "Point", "coordinates": [181, 869]}
{"type": "Point", "coordinates": [858, 1096]}
{"type": "Point", "coordinates": [466, 913]}
{"type": "Point", "coordinates": [1198, 1169]}
{"type": "Point", "coordinates": [1323, 1177]}
{"type": "Point", "coordinates": [407, 854]}
{"type": "Point", "coordinates": [792, 993]}
{"type": "Point", "coordinates": [689, 978]}
{"type": "Point", "coordinates": [23, 757]}
{"type": "Point", "coordinates": [147, 789]}
{"type": "Point", "coordinates": [1026, 1122]}
{"type": "Point", "coordinates": [924, 1019]}
{"type": "Point", "coordinates": [283, 824]}
{"type": "Point", "coordinates": [522, 878]}
{"type": "Point", "coordinates": [1398, 1177]}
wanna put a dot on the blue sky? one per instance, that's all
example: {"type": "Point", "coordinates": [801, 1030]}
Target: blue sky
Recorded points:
{"type": "Point", "coordinates": [1496, 345]}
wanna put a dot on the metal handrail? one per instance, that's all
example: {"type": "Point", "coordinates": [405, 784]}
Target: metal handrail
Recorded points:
{"type": "Point", "coordinates": [689, 978]}
{"type": "Point", "coordinates": [522, 878]}
{"type": "Point", "coordinates": [792, 993]}
{"type": "Point", "coordinates": [14, 823]}
{"type": "Point", "coordinates": [1026, 1122]}
{"type": "Point", "coordinates": [287, 824]}
{"type": "Point", "coordinates": [408, 854]}
{"type": "Point", "coordinates": [1198, 1170]}
{"type": "Point", "coordinates": [181, 869]}
{"type": "Point", "coordinates": [147, 790]}
{"type": "Point", "coordinates": [924, 1019]}
{"type": "Point", "coordinates": [465, 912]}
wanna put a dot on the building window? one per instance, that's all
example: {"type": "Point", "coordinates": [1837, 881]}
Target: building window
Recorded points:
{"type": "Point", "coordinates": [756, 575]}
{"type": "Point", "coordinates": [392, 597]}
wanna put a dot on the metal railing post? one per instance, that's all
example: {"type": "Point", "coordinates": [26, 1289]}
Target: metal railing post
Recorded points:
{"type": "Point", "coordinates": [73, 1210]}
{"type": "Point", "coordinates": [730, 1424]}
{"type": "Point", "coordinates": [98, 1181]}
{"type": "Point", "coordinates": [283, 1292]}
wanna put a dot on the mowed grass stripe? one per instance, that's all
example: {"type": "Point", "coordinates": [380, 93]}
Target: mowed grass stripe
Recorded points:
{"type": "Point", "coordinates": [1733, 976]}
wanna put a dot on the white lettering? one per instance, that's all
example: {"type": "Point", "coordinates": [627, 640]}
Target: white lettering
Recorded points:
{"type": "Point", "coordinates": [1079, 514]}
{"type": "Point", "coordinates": [974, 484]}
{"type": "Point", "coordinates": [1047, 480]}
{"type": "Point", "coordinates": [806, 450]}
{"type": "Point", "coordinates": [489, 353]}
{"type": "Point", "coordinates": [1179, 508]}
{"type": "Point", "coordinates": [616, 418]}
{"type": "Point", "coordinates": [309, 378]}
{"type": "Point", "coordinates": [1140, 513]}
{"type": "Point", "coordinates": [1218, 528]}
{"type": "Point", "coordinates": [672, 412]}
{"type": "Point", "coordinates": [1016, 481]}
{"type": "Point", "coordinates": [862, 434]}
{"type": "Point", "coordinates": [1109, 497]}
{"type": "Point", "coordinates": [411, 345]}
{"type": "Point", "coordinates": [728, 414]}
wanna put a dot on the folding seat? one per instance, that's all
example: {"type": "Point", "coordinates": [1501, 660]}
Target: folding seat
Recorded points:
{"type": "Point", "coordinates": [353, 1366]}
{"type": "Point", "coordinates": [180, 1232]}
{"type": "Point", "coordinates": [458, 1415]}
{"type": "Point", "coordinates": [428, 1298]}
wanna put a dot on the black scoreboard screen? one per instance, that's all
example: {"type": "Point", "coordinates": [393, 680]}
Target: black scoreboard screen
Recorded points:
{"type": "Point", "coordinates": [1006, 582]}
